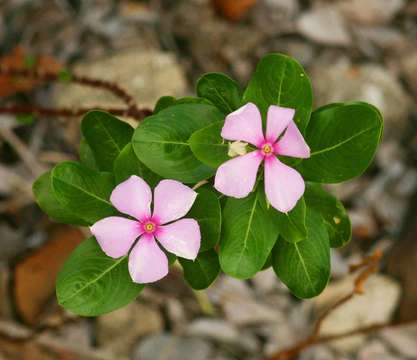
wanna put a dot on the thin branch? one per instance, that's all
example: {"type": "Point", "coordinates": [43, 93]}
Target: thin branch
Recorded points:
{"type": "Point", "coordinates": [131, 109]}
{"type": "Point", "coordinates": [369, 266]}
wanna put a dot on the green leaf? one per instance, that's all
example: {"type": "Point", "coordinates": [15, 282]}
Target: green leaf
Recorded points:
{"type": "Point", "coordinates": [46, 200]}
{"type": "Point", "coordinates": [281, 80]}
{"type": "Point", "coordinates": [106, 135]}
{"type": "Point", "coordinates": [87, 156]}
{"type": "Point", "coordinates": [163, 103]}
{"type": "Point", "coordinates": [292, 225]}
{"type": "Point", "coordinates": [127, 164]}
{"type": "Point", "coordinates": [201, 272]}
{"type": "Point", "coordinates": [221, 90]}
{"type": "Point", "coordinates": [343, 139]}
{"type": "Point", "coordinates": [304, 266]}
{"type": "Point", "coordinates": [333, 212]}
{"type": "Point", "coordinates": [208, 146]}
{"type": "Point", "coordinates": [206, 210]}
{"type": "Point", "coordinates": [83, 191]}
{"type": "Point", "coordinates": [249, 233]}
{"type": "Point", "coordinates": [91, 283]}
{"type": "Point", "coordinates": [161, 141]}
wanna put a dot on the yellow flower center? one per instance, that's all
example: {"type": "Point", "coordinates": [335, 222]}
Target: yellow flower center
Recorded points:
{"type": "Point", "coordinates": [267, 149]}
{"type": "Point", "coordinates": [149, 227]}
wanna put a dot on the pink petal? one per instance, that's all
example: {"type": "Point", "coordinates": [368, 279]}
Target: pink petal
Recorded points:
{"type": "Point", "coordinates": [172, 200]}
{"type": "Point", "coordinates": [237, 176]}
{"type": "Point", "coordinates": [181, 238]}
{"type": "Point", "coordinates": [133, 197]}
{"type": "Point", "coordinates": [147, 262]}
{"type": "Point", "coordinates": [278, 119]}
{"type": "Point", "coordinates": [293, 143]}
{"type": "Point", "coordinates": [283, 185]}
{"type": "Point", "coordinates": [116, 235]}
{"type": "Point", "coordinates": [244, 124]}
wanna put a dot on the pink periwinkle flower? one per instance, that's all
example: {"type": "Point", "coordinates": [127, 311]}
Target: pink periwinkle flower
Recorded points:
{"type": "Point", "coordinates": [116, 235]}
{"type": "Point", "coordinates": [284, 186]}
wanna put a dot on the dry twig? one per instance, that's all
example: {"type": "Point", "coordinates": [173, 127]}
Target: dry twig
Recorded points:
{"type": "Point", "coordinates": [368, 266]}
{"type": "Point", "coordinates": [131, 109]}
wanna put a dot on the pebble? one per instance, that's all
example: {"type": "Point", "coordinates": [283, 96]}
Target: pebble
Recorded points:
{"type": "Point", "coordinates": [324, 25]}
{"type": "Point", "coordinates": [170, 347]}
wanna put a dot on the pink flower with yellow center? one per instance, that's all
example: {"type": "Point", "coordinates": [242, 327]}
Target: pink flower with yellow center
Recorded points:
{"type": "Point", "coordinates": [116, 235]}
{"type": "Point", "coordinates": [284, 186]}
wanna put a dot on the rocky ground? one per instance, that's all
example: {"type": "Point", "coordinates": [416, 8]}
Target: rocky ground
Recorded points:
{"type": "Point", "coordinates": [353, 50]}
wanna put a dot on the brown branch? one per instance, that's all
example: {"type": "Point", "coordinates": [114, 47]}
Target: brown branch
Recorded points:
{"type": "Point", "coordinates": [369, 266]}
{"type": "Point", "coordinates": [131, 109]}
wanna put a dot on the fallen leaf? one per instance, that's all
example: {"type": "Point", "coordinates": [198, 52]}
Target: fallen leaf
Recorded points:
{"type": "Point", "coordinates": [34, 276]}
{"type": "Point", "coordinates": [19, 59]}
{"type": "Point", "coordinates": [233, 10]}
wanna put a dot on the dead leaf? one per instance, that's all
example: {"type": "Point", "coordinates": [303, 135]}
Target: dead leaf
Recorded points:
{"type": "Point", "coordinates": [19, 59]}
{"type": "Point", "coordinates": [34, 276]}
{"type": "Point", "coordinates": [233, 10]}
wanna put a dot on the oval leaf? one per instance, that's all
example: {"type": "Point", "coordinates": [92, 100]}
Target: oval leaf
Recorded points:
{"type": "Point", "coordinates": [201, 272]}
{"type": "Point", "coordinates": [333, 212]}
{"type": "Point", "coordinates": [106, 135]}
{"type": "Point", "coordinates": [86, 156]}
{"type": "Point", "coordinates": [343, 139]}
{"type": "Point", "coordinates": [292, 225]}
{"type": "Point", "coordinates": [83, 191]}
{"type": "Point", "coordinates": [44, 195]}
{"type": "Point", "coordinates": [161, 141]}
{"type": "Point", "coordinates": [127, 164]}
{"type": "Point", "coordinates": [208, 146]}
{"type": "Point", "coordinates": [91, 283]}
{"type": "Point", "coordinates": [249, 233]}
{"type": "Point", "coordinates": [206, 210]}
{"type": "Point", "coordinates": [281, 80]}
{"type": "Point", "coordinates": [304, 266]}
{"type": "Point", "coordinates": [221, 90]}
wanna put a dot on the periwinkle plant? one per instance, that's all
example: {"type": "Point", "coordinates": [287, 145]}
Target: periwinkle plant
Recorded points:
{"type": "Point", "coordinates": [202, 156]}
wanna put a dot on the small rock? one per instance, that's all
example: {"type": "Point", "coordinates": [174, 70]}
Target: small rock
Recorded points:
{"type": "Point", "coordinates": [371, 11]}
{"type": "Point", "coordinates": [409, 68]}
{"type": "Point", "coordinates": [214, 329]}
{"type": "Point", "coordinates": [119, 330]}
{"type": "Point", "coordinates": [169, 347]}
{"type": "Point", "coordinates": [370, 83]}
{"type": "Point", "coordinates": [318, 353]}
{"type": "Point", "coordinates": [224, 333]}
{"type": "Point", "coordinates": [376, 305]}
{"type": "Point", "coordinates": [266, 281]}
{"type": "Point", "coordinates": [289, 7]}
{"type": "Point", "coordinates": [403, 340]}
{"type": "Point", "coordinates": [364, 225]}
{"type": "Point", "coordinates": [324, 25]}
{"type": "Point", "coordinates": [146, 75]}
{"type": "Point", "coordinates": [375, 350]}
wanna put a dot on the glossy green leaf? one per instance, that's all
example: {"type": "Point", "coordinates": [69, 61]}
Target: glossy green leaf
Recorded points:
{"type": "Point", "coordinates": [304, 266]}
{"type": "Point", "coordinates": [343, 139]}
{"type": "Point", "coordinates": [206, 210]}
{"type": "Point", "coordinates": [106, 135]}
{"type": "Point", "coordinates": [87, 156]}
{"type": "Point", "coordinates": [333, 212]}
{"type": "Point", "coordinates": [221, 90]}
{"type": "Point", "coordinates": [44, 195]}
{"type": "Point", "coordinates": [163, 103]}
{"type": "Point", "coordinates": [292, 225]}
{"type": "Point", "coordinates": [281, 80]}
{"type": "Point", "coordinates": [208, 146]}
{"type": "Point", "coordinates": [249, 233]}
{"type": "Point", "coordinates": [91, 283]}
{"type": "Point", "coordinates": [201, 272]}
{"type": "Point", "coordinates": [83, 191]}
{"type": "Point", "coordinates": [127, 164]}
{"type": "Point", "coordinates": [161, 141]}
